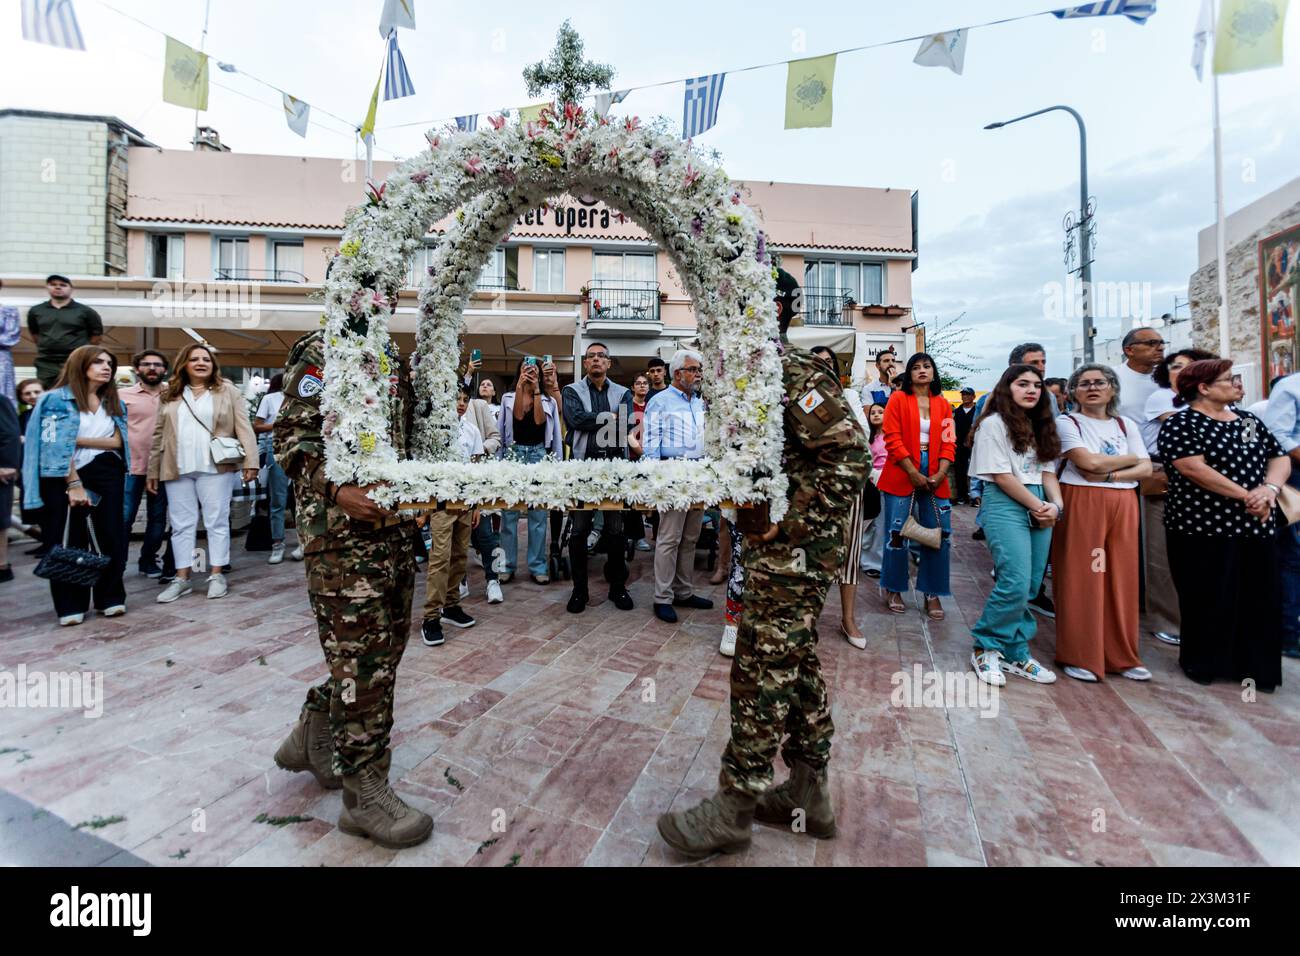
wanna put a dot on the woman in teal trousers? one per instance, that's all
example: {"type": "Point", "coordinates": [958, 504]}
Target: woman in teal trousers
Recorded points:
{"type": "Point", "coordinates": [1015, 450]}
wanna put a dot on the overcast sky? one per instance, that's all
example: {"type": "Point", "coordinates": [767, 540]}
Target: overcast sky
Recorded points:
{"type": "Point", "coordinates": [991, 202]}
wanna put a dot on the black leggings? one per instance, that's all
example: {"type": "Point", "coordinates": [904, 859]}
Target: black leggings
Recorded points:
{"type": "Point", "coordinates": [104, 476]}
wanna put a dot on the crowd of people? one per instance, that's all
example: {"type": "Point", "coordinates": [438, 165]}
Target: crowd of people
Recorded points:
{"type": "Point", "coordinates": [1118, 492]}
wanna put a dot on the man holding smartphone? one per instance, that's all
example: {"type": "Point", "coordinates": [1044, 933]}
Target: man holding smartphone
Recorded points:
{"type": "Point", "coordinates": [592, 406]}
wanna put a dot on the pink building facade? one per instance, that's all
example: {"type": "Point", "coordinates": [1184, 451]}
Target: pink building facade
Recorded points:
{"type": "Point", "coordinates": [569, 273]}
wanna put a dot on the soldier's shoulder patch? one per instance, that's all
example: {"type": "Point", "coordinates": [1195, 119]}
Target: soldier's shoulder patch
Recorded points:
{"type": "Point", "coordinates": [809, 402]}
{"type": "Point", "coordinates": [311, 382]}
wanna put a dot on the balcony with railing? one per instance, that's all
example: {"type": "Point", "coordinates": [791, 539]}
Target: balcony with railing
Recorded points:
{"type": "Point", "coordinates": [258, 275]}
{"type": "Point", "coordinates": [625, 300]}
{"type": "Point", "coordinates": [823, 306]}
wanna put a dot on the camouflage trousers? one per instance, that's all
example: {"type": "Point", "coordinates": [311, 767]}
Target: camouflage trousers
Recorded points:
{"type": "Point", "coordinates": [362, 599]}
{"type": "Point", "coordinates": [776, 680]}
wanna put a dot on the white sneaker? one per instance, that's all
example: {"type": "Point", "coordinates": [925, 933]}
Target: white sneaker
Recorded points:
{"type": "Point", "coordinates": [464, 590]}
{"type": "Point", "coordinates": [70, 619]}
{"type": "Point", "coordinates": [494, 593]}
{"type": "Point", "coordinates": [1029, 669]}
{"type": "Point", "coordinates": [1081, 673]}
{"type": "Point", "coordinates": [986, 667]}
{"type": "Point", "coordinates": [277, 553]}
{"type": "Point", "coordinates": [296, 554]}
{"type": "Point", "coordinates": [1137, 673]}
{"type": "Point", "coordinates": [177, 589]}
{"type": "Point", "coordinates": [644, 545]}
{"type": "Point", "coordinates": [728, 646]}
{"type": "Point", "coordinates": [117, 610]}
{"type": "Point", "coordinates": [217, 587]}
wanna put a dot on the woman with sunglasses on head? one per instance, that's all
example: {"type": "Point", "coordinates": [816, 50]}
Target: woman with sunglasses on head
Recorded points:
{"type": "Point", "coordinates": [1014, 453]}
{"type": "Point", "coordinates": [1226, 471]}
{"type": "Point", "coordinates": [921, 439]}
{"type": "Point", "coordinates": [75, 463]}
{"type": "Point", "coordinates": [1097, 603]}
{"type": "Point", "coordinates": [198, 408]}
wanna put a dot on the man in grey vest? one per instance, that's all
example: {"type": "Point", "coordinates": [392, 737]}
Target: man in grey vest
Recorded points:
{"type": "Point", "coordinates": [591, 413]}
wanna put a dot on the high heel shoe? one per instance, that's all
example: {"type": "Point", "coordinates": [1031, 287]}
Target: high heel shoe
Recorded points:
{"type": "Point", "coordinates": [894, 604]}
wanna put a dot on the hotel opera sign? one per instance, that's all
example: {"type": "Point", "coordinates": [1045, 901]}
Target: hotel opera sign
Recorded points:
{"type": "Point", "coordinates": [570, 212]}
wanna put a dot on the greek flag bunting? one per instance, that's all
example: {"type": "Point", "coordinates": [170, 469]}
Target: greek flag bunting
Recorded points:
{"type": "Point", "coordinates": [53, 22]}
{"type": "Point", "coordinates": [1136, 10]}
{"type": "Point", "coordinates": [700, 108]}
{"type": "Point", "coordinates": [397, 82]}
{"type": "Point", "coordinates": [467, 124]}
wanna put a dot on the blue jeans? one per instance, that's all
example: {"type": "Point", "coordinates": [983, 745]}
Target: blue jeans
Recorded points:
{"type": "Point", "coordinates": [155, 523]}
{"type": "Point", "coordinates": [278, 488]}
{"type": "Point", "coordinates": [1288, 567]}
{"type": "Point", "coordinates": [932, 576]}
{"type": "Point", "coordinates": [1020, 557]}
{"type": "Point", "coordinates": [537, 564]}
{"type": "Point", "coordinates": [977, 492]}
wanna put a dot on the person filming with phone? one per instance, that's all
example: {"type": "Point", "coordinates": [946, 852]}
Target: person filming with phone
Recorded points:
{"type": "Point", "coordinates": [75, 462]}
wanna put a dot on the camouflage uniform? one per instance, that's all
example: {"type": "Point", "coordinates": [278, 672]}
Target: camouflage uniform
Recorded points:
{"type": "Point", "coordinates": [360, 575]}
{"type": "Point", "coordinates": [776, 678]}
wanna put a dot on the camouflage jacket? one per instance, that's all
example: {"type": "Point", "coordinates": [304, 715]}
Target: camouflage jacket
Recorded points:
{"type": "Point", "coordinates": [826, 460]}
{"type": "Point", "coordinates": [300, 447]}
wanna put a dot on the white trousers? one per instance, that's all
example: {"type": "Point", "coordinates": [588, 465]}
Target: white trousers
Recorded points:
{"type": "Point", "coordinates": [188, 494]}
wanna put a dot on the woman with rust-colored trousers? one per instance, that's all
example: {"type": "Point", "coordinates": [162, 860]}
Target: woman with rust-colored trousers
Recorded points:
{"type": "Point", "coordinates": [1095, 551]}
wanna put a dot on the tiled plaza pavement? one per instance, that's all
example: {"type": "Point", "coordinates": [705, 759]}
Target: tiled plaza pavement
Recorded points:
{"type": "Point", "coordinates": [543, 724]}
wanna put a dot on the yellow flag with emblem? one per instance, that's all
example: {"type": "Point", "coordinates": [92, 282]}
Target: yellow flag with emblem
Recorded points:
{"type": "Point", "coordinates": [530, 114]}
{"type": "Point", "coordinates": [808, 86]}
{"type": "Point", "coordinates": [1249, 35]}
{"type": "Point", "coordinates": [185, 76]}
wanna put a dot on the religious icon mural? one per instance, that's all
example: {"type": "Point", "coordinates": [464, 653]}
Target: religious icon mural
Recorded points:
{"type": "Point", "coordinates": [1279, 280]}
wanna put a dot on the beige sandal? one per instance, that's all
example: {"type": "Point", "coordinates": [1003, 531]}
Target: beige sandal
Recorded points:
{"type": "Point", "coordinates": [893, 602]}
{"type": "Point", "coordinates": [934, 613]}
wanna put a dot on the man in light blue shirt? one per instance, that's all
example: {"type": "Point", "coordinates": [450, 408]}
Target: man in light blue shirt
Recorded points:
{"type": "Point", "coordinates": [674, 428]}
{"type": "Point", "coordinates": [1283, 419]}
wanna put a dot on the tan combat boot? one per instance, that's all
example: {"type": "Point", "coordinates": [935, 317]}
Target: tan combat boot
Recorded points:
{"type": "Point", "coordinates": [801, 804]}
{"type": "Point", "coordinates": [372, 809]}
{"type": "Point", "coordinates": [310, 746]}
{"type": "Point", "coordinates": [722, 822]}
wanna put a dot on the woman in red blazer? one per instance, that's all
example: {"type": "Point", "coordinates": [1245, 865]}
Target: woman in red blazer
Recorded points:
{"type": "Point", "coordinates": [921, 439]}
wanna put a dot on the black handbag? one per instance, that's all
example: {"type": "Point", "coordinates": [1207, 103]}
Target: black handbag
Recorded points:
{"type": "Point", "coordinates": [258, 537]}
{"type": "Point", "coordinates": [74, 565]}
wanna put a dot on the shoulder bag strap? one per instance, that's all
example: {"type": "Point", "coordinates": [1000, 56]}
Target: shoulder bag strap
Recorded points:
{"type": "Point", "coordinates": [90, 526]}
{"type": "Point", "coordinates": [196, 414]}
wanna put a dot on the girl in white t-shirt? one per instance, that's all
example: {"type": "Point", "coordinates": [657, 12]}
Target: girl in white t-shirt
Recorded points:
{"type": "Point", "coordinates": [1014, 450]}
{"type": "Point", "coordinates": [1095, 552]}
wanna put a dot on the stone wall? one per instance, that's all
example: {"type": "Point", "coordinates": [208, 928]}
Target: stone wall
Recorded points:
{"type": "Point", "coordinates": [1243, 294]}
{"type": "Point", "coordinates": [52, 192]}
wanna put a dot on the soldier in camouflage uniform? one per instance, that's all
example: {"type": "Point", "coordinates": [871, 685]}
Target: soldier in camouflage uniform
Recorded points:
{"type": "Point", "coordinates": [360, 563]}
{"type": "Point", "coordinates": [776, 680]}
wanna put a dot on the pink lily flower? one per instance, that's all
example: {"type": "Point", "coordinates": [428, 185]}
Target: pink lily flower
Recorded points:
{"type": "Point", "coordinates": [692, 176]}
{"type": "Point", "coordinates": [474, 165]}
{"type": "Point", "coordinates": [497, 121]}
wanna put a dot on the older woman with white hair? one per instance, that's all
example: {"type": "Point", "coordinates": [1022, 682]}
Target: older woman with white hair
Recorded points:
{"type": "Point", "coordinates": [1095, 554]}
{"type": "Point", "coordinates": [673, 427]}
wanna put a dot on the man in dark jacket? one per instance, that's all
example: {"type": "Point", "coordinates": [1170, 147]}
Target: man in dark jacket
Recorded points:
{"type": "Point", "coordinates": [11, 459]}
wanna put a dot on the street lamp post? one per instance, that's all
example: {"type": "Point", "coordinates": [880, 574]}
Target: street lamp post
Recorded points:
{"type": "Point", "coordinates": [1085, 220]}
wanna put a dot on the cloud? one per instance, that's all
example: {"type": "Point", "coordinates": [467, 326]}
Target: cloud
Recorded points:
{"type": "Point", "coordinates": [994, 267]}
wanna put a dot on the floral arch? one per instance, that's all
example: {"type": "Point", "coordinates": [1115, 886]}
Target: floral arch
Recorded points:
{"type": "Point", "coordinates": [688, 206]}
